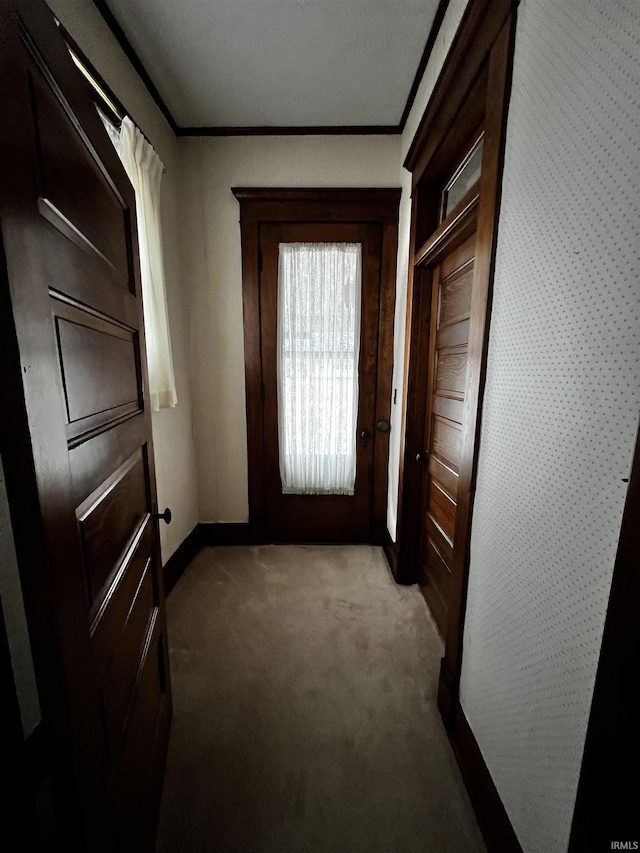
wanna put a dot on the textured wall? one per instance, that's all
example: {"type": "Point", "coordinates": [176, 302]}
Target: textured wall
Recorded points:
{"type": "Point", "coordinates": [561, 404]}
{"type": "Point", "coordinates": [212, 263]}
{"type": "Point", "coordinates": [172, 430]}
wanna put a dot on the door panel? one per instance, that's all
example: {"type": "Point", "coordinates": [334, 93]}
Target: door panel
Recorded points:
{"type": "Point", "coordinates": [321, 518]}
{"type": "Point", "coordinates": [87, 210]}
{"type": "Point", "coordinates": [75, 315]}
{"type": "Point", "coordinates": [452, 284]}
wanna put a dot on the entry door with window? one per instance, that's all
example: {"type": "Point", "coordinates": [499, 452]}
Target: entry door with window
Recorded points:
{"type": "Point", "coordinates": [320, 295]}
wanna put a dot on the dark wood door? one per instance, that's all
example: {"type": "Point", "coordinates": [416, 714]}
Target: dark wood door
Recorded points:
{"type": "Point", "coordinates": [321, 518]}
{"type": "Point", "coordinates": [452, 285]}
{"type": "Point", "coordinates": [76, 443]}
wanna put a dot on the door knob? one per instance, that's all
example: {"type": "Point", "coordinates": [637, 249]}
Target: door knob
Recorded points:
{"type": "Point", "coordinates": [164, 516]}
{"type": "Point", "coordinates": [383, 426]}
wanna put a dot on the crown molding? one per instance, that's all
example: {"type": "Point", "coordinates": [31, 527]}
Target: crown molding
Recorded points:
{"type": "Point", "coordinates": [286, 130]}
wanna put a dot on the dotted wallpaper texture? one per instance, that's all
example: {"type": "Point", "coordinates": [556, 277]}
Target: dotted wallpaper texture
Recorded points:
{"type": "Point", "coordinates": [561, 404]}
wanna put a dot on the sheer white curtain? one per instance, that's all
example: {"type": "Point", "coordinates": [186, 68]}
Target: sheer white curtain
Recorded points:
{"type": "Point", "coordinates": [144, 168]}
{"type": "Point", "coordinates": [319, 294]}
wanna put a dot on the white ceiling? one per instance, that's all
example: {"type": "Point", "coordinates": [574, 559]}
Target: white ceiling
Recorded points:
{"type": "Point", "coordinates": [239, 63]}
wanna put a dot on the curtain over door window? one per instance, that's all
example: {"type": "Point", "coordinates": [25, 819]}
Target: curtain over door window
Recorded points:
{"type": "Point", "coordinates": [319, 297]}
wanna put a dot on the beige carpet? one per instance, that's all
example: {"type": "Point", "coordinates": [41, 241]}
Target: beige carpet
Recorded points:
{"type": "Point", "coordinates": [305, 721]}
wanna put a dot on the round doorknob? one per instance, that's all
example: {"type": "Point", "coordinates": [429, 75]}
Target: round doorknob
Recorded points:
{"type": "Point", "coordinates": [164, 516]}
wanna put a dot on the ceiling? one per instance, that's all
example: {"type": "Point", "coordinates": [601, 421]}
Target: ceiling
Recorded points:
{"type": "Point", "coordinates": [253, 63]}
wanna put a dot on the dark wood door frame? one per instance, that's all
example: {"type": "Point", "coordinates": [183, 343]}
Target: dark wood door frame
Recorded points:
{"type": "Point", "coordinates": [315, 205]}
{"type": "Point", "coordinates": [472, 92]}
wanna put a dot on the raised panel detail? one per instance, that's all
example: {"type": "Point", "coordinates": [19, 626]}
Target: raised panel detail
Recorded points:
{"type": "Point", "coordinates": [136, 747]}
{"type": "Point", "coordinates": [456, 335]}
{"type": "Point", "coordinates": [438, 570]}
{"type": "Point", "coordinates": [446, 442]}
{"type": "Point", "coordinates": [451, 372]}
{"type": "Point", "coordinates": [86, 209]}
{"type": "Point", "coordinates": [448, 408]}
{"type": "Point", "coordinates": [443, 509]}
{"type": "Point", "coordinates": [108, 521]}
{"type": "Point", "coordinates": [114, 611]}
{"type": "Point", "coordinates": [444, 545]}
{"type": "Point", "coordinates": [447, 478]}
{"type": "Point", "coordinates": [455, 296]}
{"type": "Point", "coordinates": [458, 258]}
{"type": "Point", "coordinates": [99, 369]}
{"type": "Point", "coordinates": [120, 677]}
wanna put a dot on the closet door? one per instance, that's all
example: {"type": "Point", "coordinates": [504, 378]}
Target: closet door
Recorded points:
{"type": "Point", "coordinates": [76, 443]}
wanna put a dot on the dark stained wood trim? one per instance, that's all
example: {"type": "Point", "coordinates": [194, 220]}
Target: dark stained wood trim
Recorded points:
{"type": "Point", "coordinates": [440, 241]}
{"type": "Point", "coordinates": [497, 101]}
{"type": "Point", "coordinates": [424, 59]}
{"type": "Point", "coordinates": [249, 232]}
{"type": "Point", "coordinates": [294, 130]}
{"type": "Point", "coordinates": [414, 395]}
{"type": "Point", "coordinates": [480, 25]}
{"type": "Point", "coordinates": [492, 817]}
{"type": "Point", "coordinates": [484, 101]}
{"type": "Point", "coordinates": [226, 533]}
{"type": "Point", "coordinates": [606, 807]}
{"type": "Point", "coordinates": [174, 568]}
{"type": "Point", "coordinates": [258, 205]}
{"type": "Point", "coordinates": [384, 390]}
{"type": "Point", "coordinates": [318, 205]}
{"type": "Point", "coordinates": [135, 60]}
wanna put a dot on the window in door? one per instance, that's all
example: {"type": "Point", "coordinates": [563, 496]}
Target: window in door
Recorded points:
{"type": "Point", "coordinates": [319, 296]}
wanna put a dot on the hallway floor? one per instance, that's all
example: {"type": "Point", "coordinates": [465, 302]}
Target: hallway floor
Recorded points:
{"type": "Point", "coordinates": [305, 719]}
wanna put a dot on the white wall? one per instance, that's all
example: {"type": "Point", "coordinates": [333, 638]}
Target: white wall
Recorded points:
{"type": "Point", "coordinates": [212, 264]}
{"type": "Point", "coordinates": [172, 428]}
{"type": "Point", "coordinates": [561, 405]}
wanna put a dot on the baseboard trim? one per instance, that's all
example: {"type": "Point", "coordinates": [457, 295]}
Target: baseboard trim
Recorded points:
{"type": "Point", "coordinates": [492, 817]}
{"type": "Point", "coordinates": [224, 533]}
{"type": "Point", "coordinates": [180, 559]}
{"type": "Point", "coordinates": [390, 549]}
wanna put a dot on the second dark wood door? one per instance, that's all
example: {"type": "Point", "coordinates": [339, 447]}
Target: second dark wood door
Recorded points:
{"type": "Point", "coordinates": [313, 517]}
{"type": "Point", "coordinates": [452, 284]}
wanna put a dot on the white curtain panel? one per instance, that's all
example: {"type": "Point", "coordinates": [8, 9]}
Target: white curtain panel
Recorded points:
{"type": "Point", "coordinates": [144, 168]}
{"type": "Point", "coordinates": [319, 295]}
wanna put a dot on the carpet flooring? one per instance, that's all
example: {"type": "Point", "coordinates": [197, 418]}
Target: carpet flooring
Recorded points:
{"type": "Point", "coordinates": [305, 720]}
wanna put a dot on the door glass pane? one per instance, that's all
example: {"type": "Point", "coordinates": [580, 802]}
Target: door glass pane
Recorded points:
{"type": "Point", "coordinates": [463, 179]}
{"type": "Point", "coordinates": [319, 297]}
